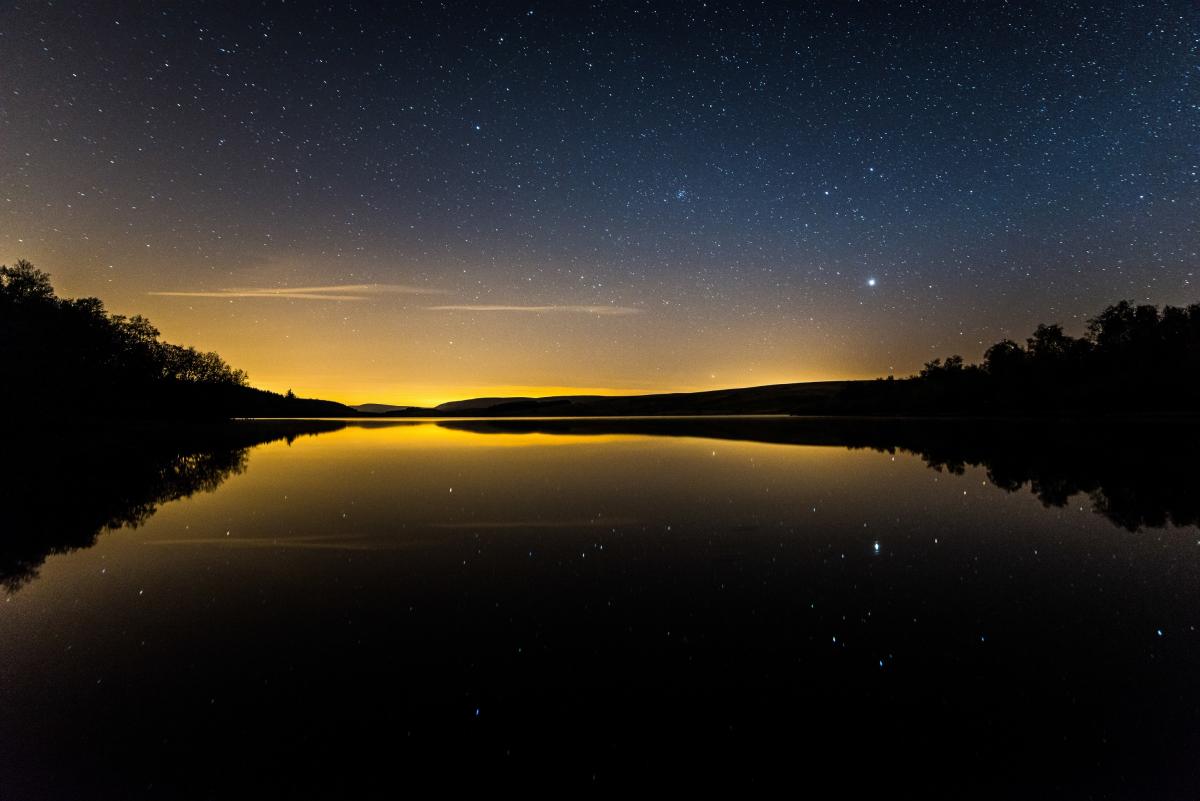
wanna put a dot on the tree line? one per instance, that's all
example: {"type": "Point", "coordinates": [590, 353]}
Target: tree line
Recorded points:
{"type": "Point", "coordinates": [1131, 358]}
{"type": "Point", "coordinates": [70, 355]}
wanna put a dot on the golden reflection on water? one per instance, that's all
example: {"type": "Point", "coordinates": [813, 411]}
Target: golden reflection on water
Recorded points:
{"type": "Point", "coordinates": [428, 484]}
{"type": "Point", "coordinates": [368, 499]}
{"type": "Point", "coordinates": [388, 485]}
{"type": "Point", "coordinates": [427, 561]}
{"type": "Point", "coordinates": [429, 434]}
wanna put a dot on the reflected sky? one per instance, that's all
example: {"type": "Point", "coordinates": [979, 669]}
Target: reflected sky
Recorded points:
{"type": "Point", "coordinates": [510, 570]}
{"type": "Point", "coordinates": [388, 483]}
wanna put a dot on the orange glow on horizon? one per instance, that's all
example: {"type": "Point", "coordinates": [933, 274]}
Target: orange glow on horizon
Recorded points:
{"type": "Point", "coordinates": [394, 347]}
{"type": "Point", "coordinates": [431, 396]}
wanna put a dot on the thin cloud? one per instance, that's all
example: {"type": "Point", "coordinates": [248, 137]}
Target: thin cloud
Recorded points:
{"type": "Point", "coordinates": [308, 543]}
{"type": "Point", "coordinates": [340, 292]}
{"type": "Point", "coordinates": [521, 524]}
{"type": "Point", "coordinates": [612, 311]}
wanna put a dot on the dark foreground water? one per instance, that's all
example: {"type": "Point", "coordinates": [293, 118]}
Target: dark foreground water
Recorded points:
{"type": "Point", "coordinates": [957, 610]}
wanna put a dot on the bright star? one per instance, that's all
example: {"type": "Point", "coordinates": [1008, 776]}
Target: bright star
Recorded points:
{"type": "Point", "coordinates": [871, 282]}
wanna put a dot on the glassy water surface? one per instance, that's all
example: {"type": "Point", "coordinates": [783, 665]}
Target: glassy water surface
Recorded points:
{"type": "Point", "coordinates": [978, 610]}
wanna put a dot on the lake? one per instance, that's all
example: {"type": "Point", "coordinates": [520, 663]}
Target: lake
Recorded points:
{"type": "Point", "coordinates": [962, 609]}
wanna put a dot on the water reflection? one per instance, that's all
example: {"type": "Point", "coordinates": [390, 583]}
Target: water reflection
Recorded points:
{"type": "Point", "coordinates": [61, 489]}
{"type": "Point", "coordinates": [579, 601]}
{"type": "Point", "coordinates": [60, 492]}
{"type": "Point", "coordinates": [1135, 474]}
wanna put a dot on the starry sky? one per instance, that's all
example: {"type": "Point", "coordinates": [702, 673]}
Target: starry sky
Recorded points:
{"type": "Point", "coordinates": [416, 202]}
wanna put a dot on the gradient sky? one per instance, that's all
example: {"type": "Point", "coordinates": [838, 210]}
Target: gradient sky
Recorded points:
{"type": "Point", "coordinates": [415, 202]}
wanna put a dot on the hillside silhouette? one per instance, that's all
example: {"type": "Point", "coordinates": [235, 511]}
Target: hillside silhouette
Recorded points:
{"type": "Point", "coordinates": [72, 356]}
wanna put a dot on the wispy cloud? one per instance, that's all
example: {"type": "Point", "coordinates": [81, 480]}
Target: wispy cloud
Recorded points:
{"type": "Point", "coordinates": [340, 292]}
{"type": "Point", "coordinates": [307, 543]}
{"type": "Point", "coordinates": [592, 522]}
{"type": "Point", "coordinates": [611, 311]}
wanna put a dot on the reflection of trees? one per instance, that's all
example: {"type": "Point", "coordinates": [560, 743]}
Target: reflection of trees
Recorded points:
{"type": "Point", "coordinates": [59, 491]}
{"type": "Point", "coordinates": [1137, 474]}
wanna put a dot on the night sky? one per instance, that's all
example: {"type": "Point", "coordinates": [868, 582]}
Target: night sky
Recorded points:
{"type": "Point", "coordinates": [436, 200]}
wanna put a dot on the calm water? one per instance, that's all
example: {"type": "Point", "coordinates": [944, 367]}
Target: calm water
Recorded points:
{"type": "Point", "coordinates": [960, 610]}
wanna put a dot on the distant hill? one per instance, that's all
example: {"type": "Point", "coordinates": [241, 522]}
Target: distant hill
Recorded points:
{"type": "Point", "coordinates": [482, 404]}
{"type": "Point", "coordinates": [377, 408]}
{"type": "Point", "coordinates": [1132, 360]}
{"type": "Point", "coordinates": [819, 397]}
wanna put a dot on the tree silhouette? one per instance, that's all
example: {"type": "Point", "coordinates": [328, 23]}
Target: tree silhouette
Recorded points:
{"type": "Point", "coordinates": [1131, 359]}
{"type": "Point", "coordinates": [68, 355]}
